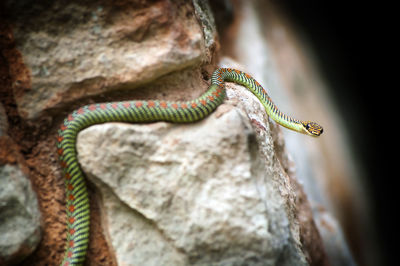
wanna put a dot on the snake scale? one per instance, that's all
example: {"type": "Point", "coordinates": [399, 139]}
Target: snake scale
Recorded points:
{"type": "Point", "coordinates": [77, 201]}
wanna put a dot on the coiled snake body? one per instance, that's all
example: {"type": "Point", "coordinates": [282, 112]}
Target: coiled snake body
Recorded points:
{"type": "Point", "coordinates": [144, 111]}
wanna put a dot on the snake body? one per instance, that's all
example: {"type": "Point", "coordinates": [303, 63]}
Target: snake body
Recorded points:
{"type": "Point", "coordinates": [77, 201]}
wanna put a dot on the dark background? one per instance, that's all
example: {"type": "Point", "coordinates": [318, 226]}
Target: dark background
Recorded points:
{"type": "Point", "coordinates": [352, 43]}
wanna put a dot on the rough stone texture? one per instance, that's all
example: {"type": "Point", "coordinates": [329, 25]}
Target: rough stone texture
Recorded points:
{"type": "Point", "coordinates": [211, 193]}
{"type": "Point", "coordinates": [3, 121]}
{"type": "Point", "coordinates": [19, 213]}
{"type": "Point", "coordinates": [271, 49]}
{"type": "Point", "coordinates": [310, 238]}
{"type": "Point", "coordinates": [206, 18]}
{"type": "Point", "coordinates": [334, 240]}
{"type": "Point", "coordinates": [77, 49]}
{"type": "Point", "coordinates": [58, 55]}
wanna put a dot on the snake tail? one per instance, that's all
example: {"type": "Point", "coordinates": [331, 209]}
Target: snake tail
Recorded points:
{"type": "Point", "coordinates": [140, 111]}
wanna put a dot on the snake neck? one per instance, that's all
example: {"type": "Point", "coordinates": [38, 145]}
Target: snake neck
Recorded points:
{"type": "Point", "coordinates": [232, 75]}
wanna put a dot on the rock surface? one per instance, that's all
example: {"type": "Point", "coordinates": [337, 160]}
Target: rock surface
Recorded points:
{"type": "Point", "coordinates": [209, 193]}
{"type": "Point", "coordinates": [272, 49]}
{"type": "Point", "coordinates": [334, 241]}
{"type": "Point", "coordinates": [19, 212]}
{"type": "Point", "coordinates": [20, 228]}
{"type": "Point", "coordinates": [85, 48]}
{"type": "Point", "coordinates": [3, 121]}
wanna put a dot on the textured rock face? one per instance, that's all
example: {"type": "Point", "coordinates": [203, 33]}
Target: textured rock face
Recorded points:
{"type": "Point", "coordinates": [271, 49]}
{"type": "Point", "coordinates": [19, 216]}
{"type": "Point", "coordinates": [84, 48]}
{"type": "Point", "coordinates": [3, 121]}
{"type": "Point", "coordinates": [198, 194]}
{"type": "Point", "coordinates": [20, 228]}
{"type": "Point", "coordinates": [59, 55]}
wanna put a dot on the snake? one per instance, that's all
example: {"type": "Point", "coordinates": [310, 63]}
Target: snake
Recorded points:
{"type": "Point", "coordinates": [142, 111]}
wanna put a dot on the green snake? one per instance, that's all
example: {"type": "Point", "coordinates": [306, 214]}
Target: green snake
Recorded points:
{"type": "Point", "coordinates": [77, 201]}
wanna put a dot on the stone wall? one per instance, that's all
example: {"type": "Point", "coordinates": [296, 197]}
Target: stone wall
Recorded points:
{"type": "Point", "coordinates": [223, 191]}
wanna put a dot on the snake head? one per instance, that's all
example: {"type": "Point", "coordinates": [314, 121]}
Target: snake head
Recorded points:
{"type": "Point", "coordinates": [312, 128]}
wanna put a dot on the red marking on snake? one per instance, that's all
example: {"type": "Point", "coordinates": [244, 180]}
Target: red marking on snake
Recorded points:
{"type": "Point", "coordinates": [71, 208]}
{"type": "Point", "coordinates": [114, 105]}
{"type": "Point", "coordinates": [103, 106]}
{"type": "Point", "coordinates": [203, 102]}
{"type": "Point", "coordinates": [60, 151]}
{"type": "Point", "coordinates": [237, 71]}
{"type": "Point", "coordinates": [71, 231]}
{"type": "Point", "coordinates": [67, 176]}
{"type": "Point", "coordinates": [63, 127]}
{"type": "Point", "coordinates": [126, 104]}
{"type": "Point", "coordinates": [70, 187]}
{"type": "Point", "coordinates": [194, 105]}
{"type": "Point", "coordinates": [211, 98]}
{"type": "Point", "coordinates": [71, 220]}
{"type": "Point", "coordinates": [71, 197]}
{"type": "Point", "coordinates": [67, 263]}
{"type": "Point", "coordinates": [69, 256]}
{"type": "Point", "coordinates": [70, 118]}
{"type": "Point", "coordinates": [150, 104]}
{"type": "Point", "coordinates": [138, 104]}
{"type": "Point", "coordinates": [71, 243]}
{"type": "Point", "coordinates": [63, 164]}
{"type": "Point", "coordinates": [184, 105]}
{"type": "Point", "coordinates": [60, 138]}
{"type": "Point", "coordinates": [92, 107]}
{"type": "Point", "coordinates": [175, 106]}
{"type": "Point", "coordinates": [163, 104]}
{"type": "Point", "coordinates": [80, 111]}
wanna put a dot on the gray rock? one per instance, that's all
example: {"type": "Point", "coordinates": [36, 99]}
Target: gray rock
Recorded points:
{"type": "Point", "coordinates": [206, 18]}
{"type": "Point", "coordinates": [19, 215]}
{"type": "Point", "coordinates": [100, 47]}
{"type": "Point", "coordinates": [209, 193]}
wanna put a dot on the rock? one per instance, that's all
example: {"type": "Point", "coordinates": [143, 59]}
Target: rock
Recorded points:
{"type": "Point", "coordinates": [78, 49]}
{"type": "Point", "coordinates": [209, 193]}
{"type": "Point", "coordinates": [3, 121]}
{"type": "Point", "coordinates": [206, 18]}
{"type": "Point", "coordinates": [334, 240]}
{"type": "Point", "coordinates": [19, 216]}
{"type": "Point", "coordinates": [20, 228]}
{"type": "Point", "coordinates": [271, 48]}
